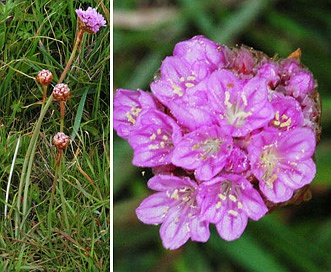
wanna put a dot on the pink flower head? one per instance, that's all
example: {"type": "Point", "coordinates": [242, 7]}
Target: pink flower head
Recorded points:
{"type": "Point", "coordinates": [228, 132]}
{"type": "Point", "coordinates": [282, 161]}
{"type": "Point", "coordinates": [228, 201]}
{"type": "Point", "coordinates": [240, 106]}
{"type": "Point", "coordinates": [90, 20]}
{"type": "Point", "coordinates": [174, 206]}
{"type": "Point", "coordinates": [128, 105]}
{"type": "Point", "coordinates": [154, 139]}
{"type": "Point", "coordinates": [204, 150]}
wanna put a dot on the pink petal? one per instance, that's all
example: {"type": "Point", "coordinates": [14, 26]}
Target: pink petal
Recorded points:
{"type": "Point", "coordinates": [153, 209]}
{"type": "Point", "coordinates": [231, 227]}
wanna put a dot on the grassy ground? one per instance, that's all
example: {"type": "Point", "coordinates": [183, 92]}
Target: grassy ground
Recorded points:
{"type": "Point", "coordinates": [295, 238]}
{"type": "Point", "coordinates": [37, 35]}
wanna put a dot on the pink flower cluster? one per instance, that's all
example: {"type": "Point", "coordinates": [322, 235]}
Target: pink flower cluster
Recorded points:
{"type": "Point", "coordinates": [90, 19]}
{"type": "Point", "coordinates": [226, 132]}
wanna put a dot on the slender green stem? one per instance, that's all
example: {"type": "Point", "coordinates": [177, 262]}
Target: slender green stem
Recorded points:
{"type": "Point", "coordinates": [62, 110]}
{"type": "Point", "coordinates": [44, 94]}
{"type": "Point", "coordinates": [50, 210]}
{"type": "Point", "coordinates": [66, 69]}
{"type": "Point", "coordinates": [63, 199]}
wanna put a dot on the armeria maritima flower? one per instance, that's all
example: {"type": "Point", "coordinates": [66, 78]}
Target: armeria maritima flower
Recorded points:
{"type": "Point", "coordinates": [44, 77]}
{"type": "Point", "coordinates": [61, 92]}
{"type": "Point", "coordinates": [61, 140]}
{"type": "Point", "coordinates": [229, 133]}
{"type": "Point", "coordinates": [90, 20]}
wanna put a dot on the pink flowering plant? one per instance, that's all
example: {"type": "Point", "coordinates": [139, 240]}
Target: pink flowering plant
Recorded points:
{"type": "Point", "coordinates": [229, 133]}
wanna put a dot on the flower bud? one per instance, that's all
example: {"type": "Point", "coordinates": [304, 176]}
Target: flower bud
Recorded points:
{"type": "Point", "coordinates": [60, 140]}
{"type": "Point", "coordinates": [44, 77]}
{"type": "Point", "coordinates": [61, 92]}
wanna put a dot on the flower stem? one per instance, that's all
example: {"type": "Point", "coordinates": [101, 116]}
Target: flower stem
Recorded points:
{"type": "Point", "coordinates": [66, 69]}
{"type": "Point", "coordinates": [56, 174]}
{"type": "Point", "coordinates": [44, 95]}
{"type": "Point", "coordinates": [62, 110]}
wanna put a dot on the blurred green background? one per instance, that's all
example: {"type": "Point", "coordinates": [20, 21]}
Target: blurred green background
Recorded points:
{"type": "Point", "coordinates": [295, 238]}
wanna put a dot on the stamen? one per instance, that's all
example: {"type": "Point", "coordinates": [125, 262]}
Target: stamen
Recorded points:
{"type": "Point", "coordinates": [153, 146]}
{"type": "Point", "coordinates": [218, 205]}
{"type": "Point", "coordinates": [189, 85]}
{"type": "Point", "coordinates": [233, 212]}
{"type": "Point", "coordinates": [244, 98]}
{"type": "Point", "coordinates": [130, 118]}
{"type": "Point", "coordinates": [226, 101]}
{"type": "Point", "coordinates": [232, 198]}
{"type": "Point", "coordinates": [153, 137]}
{"type": "Point", "coordinates": [175, 195]}
{"type": "Point", "coordinates": [222, 196]}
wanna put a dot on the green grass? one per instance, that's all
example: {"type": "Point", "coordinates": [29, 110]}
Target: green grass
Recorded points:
{"type": "Point", "coordinates": [40, 35]}
{"type": "Point", "coordinates": [295, 238]}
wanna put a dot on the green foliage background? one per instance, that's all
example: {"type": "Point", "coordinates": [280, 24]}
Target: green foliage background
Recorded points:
{"type": "Point", "coordinates": [296, 238]}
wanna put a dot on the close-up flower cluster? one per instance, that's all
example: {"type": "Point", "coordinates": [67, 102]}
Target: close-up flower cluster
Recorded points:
{"type": "Point", "coordinates": [229, 133]}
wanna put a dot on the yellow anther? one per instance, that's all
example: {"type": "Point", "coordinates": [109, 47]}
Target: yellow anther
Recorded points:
{"type": "Point", "coordinates": [177, 90]}
{"type": "Point", "coordinates": [153, 136]}
{"type": "Point", "coordinates": [189, 85]}
{"type": "Point", "coordinates": [233, 198]}
{"type": "Point", "coordinates": [244, 98]}
{"type": "Point", "coordinates": [233, 212]}
{"type": "Point", "coordinates": [130, 118]}
{"type": "Point", "coordinates": [135, 111]}
{"type": "Point", "coordinates": [153, 146]}
{"type": "Point", "coordinates": [222, 196]}
{"type": "Point", "coordinates": [227, 98]}
{"type": "Point", "coordinates": [284, 117]}
{"type": "Point", "coordinates": [286, 124]}
{"type": "Point", "coordinates": [175, 194]}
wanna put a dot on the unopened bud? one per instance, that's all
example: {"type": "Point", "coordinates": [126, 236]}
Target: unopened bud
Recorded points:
{"type": "Point", "coordinates": [44, 77]}
{"type": "Point", "coordinates": [60, 140]}
{"type": "Point", "coordinates": [61, 92]}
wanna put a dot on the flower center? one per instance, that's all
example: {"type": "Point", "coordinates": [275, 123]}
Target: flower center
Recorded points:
{"type": "Point", "coordinates": [229, 194]}
{"type": "Point", "coordinates": [185, 198]}
{"type": "Point", "coordinates": [269, 161]}
{"type": "Point", "coordinates": [282, 121]}
{"type": "Point", "coordinates": [133, 114]}
{"type": "Point", "coordinates": [235, 115]}
{"type": "Point", "coordinates": [208, 148]}
{"type": "Point", "coordinates": [160, 139]}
